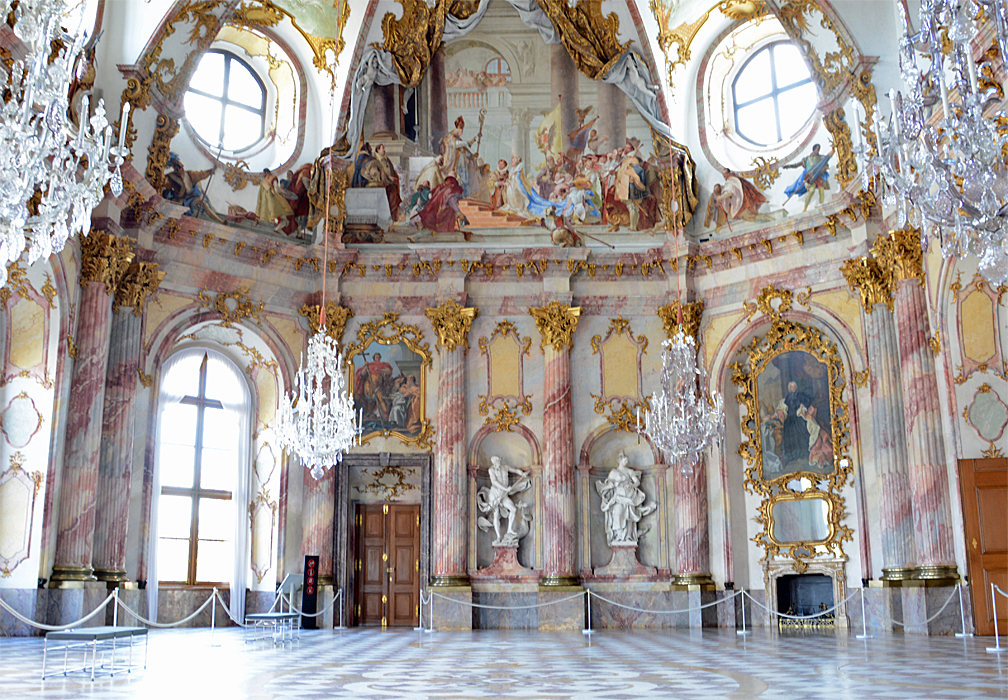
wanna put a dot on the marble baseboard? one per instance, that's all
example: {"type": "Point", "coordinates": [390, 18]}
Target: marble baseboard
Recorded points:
{"type": "Point", "coordinates": [645, 604]}
{"type": "Point", "coordinates": [176, 604]}
{"type": "Point", "coordinates": [453, 614]}
{"type": "Point", "coordinates": [906, 609]}
{"type": "Point", "coordinates": [28, 602]}
{"type": "Point", "coordinates": [566, 615]}
{"type": "Point", "coordinates": [531, 607]}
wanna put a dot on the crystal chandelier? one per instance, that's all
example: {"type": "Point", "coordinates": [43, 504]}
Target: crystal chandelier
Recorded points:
{"type": "Point", "coordinates": [47, 163]}
{"type": "Point", "coordinates": [684, 419]}
{"type": "Point", "coordinates": [316, 420]}
{"type": "Point", "coordinates": [941, 157]}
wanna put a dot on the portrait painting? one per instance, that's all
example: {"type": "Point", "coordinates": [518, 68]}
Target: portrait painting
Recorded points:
{"type": "Point", "coordinates": [794, 415]}
{"type": "Point", "coordinates": [388, 388]}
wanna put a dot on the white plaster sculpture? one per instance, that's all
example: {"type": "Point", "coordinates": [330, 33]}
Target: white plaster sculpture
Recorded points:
{"type": "Point", "coordinates": [496, 501]}
{"type": "Point", "coordinates": [623, 503]}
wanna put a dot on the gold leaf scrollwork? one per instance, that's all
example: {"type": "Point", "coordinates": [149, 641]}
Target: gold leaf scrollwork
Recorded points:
{"type": "Point", "coordinates": [389, 331]}
{"type": "Point", "coordinates": [680, 37]}
{"type": "Point", "coordinates": [743, 10]}
{"type": "Point", "coordinates": [49, 291]}
{"type": "Point", "coordinates": [556, 323]}
{"type": "Point", "coordinates": [861, 378]}
{"type": "Point", "coordinates": [17, 281]}
{"type": "Point", "coordinates": [836, 124]}
{"type": "Point", "coordinates": [505, 405]}
{"type": "Point", "coordinates": [232, 306]}
{"type": "Point", "coordinates": [867, 277]}
{"type": "Point", "coordinates": [415, 37]}
{"type": "Point", "coordinates": [788, 336]}
{"type": "Point", "coordinates": [900, 255]}
{"type": "Point", "coordinates": [105, 258]}
{"type": "Point", "coordinates": [692, 313]}
{"type": "Point", "coordinates": [772, 301]}
{"type": "Point", "coordinates": [452, 323]}
{"type": "Point", "coordinates": [335, 322]}
{"type": "Point", "coordinates": [142, 279]}
{"type": "Point", "coordinates": [591, 38]}
{"type": "Point", "coordinates": [238, 175]}
{"type": "Point", "coordinates": [157, 153]}
{"type": "Point", "coordinates": [203, 18]}
{"type": "Point", "coordinates": [764, 172]}
{"type": "Point", "coordinates": [145, 379]}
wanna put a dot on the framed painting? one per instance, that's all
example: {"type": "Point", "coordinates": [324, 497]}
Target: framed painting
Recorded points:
{"type": "Point", "coordinates": [388, 366]}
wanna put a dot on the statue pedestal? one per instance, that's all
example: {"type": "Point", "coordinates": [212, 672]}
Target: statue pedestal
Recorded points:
{"type": "Point", "coordinates": [624, 565]}
{"type": "Point", "coordinates": [505, 567]}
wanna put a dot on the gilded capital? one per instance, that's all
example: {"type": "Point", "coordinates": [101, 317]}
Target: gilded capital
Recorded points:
{"type": "Point", "coordinates": [105, 258]}
{"type": "Point", "coordinates": [452, 323]}
{"type": "Point", "coordinates": [692, 311]}
{"type": "Point", "coordinates": [900, 255]}
{"type": "Point", "coordinates": [336, 318]}
{"type": "Point", "coordinates": [556, 323]}
{"type": "Point", "coordinates": [141, 280]}
{"type": "Point", "coordinates": [867, 277]}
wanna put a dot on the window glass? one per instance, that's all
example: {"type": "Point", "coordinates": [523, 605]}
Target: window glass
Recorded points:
{"type": "Point", "coordinates": [774, 95]}
{"type": "Point", "coordinates": [226, 102]}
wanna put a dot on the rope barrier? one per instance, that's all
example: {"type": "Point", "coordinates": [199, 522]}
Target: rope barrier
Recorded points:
{"type": "Point", "coordinates": [164, 625]}
{"type": "Point", "coordinates": [998, 589]}
{"type": "Point", "coordinates": [666, 612]}
{"type": "Point", "coordinates": [508, 607]}
{"type": "Point", "coordinates": [804, 617]}
{"type": "Point", "coordinates": [903, 624]}
{"type": "Point", "coordinates": [55, 628]}
{"type": "Point", "coordinates": [228, 610]}
{"type": "Point", "coordinates": [292, 607]}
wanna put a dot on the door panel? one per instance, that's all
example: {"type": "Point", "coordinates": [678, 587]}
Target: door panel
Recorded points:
{"type": "Point", "coordinates": [984, 484]}
{"type": "Point", "coordinates": [387, 570]}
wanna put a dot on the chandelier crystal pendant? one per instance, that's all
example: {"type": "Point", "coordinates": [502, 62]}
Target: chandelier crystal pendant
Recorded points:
{"type": "Point", "coordinates": [941, 157]}
{"type": "Point", "coordinates": [60, 168]}
{"type": "Point", "coordinates": [683, 419]}
{"type": "Point", "coordinates": [316, 420]}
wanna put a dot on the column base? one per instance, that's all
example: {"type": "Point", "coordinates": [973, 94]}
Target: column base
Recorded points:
{"type": "Point", "coordinates": [449, 581]}
{"type": "Point", "coordinates": [892, 576]}
{"type": "Point", "coordinates": [551, 580]}
{"type": "Point", "coordinates": [937, 575]}
{"type": "Point", "coordinates": [326, 581]}
{"type": "Point", "coordinates": [71, 576]}
{"type": "Point", "coordinates": [113, 576]}
{"type": "Point", "coordinates": [693, 582]}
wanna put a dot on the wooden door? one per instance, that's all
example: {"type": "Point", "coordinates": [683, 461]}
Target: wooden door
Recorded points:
{"type": "Point", "coordinates": [388, 564]}
{"type": "Point", "coordinates": [984, 484]}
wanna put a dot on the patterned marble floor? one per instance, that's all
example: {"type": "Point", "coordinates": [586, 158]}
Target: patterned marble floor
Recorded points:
{"type": "Point", "coordinates": [612, 665]}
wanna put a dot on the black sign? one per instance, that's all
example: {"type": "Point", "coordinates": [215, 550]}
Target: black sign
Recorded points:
{"type": "Point", "coordinates": [309, 596]}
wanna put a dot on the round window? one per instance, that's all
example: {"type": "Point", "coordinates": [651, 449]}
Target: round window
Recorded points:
{"type": "Point", "coordinates": [773, 95]}
{"type": "Point", "coordinates": [226, 102]}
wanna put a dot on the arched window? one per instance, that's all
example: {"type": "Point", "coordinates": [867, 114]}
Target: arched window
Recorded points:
{"type": "Point", "coordinates": [773, 94]}
{"type": "Point", "coordinates": [202, 460]}
{"type": "Point", "coordinates": [498, 71]}
{"type": "Point", "coordinates": [226, 102]}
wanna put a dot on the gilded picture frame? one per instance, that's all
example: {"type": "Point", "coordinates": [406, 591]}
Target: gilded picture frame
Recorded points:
{"type": "Point", "coordinates": [391, 389]}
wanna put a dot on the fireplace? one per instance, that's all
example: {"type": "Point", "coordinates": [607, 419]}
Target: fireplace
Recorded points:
{"type": "Point", "coordinates": [821, 582]}
{"type": "Point", "coordinates": [804, 594]}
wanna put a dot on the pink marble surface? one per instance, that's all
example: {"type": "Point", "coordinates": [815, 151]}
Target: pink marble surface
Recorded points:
{"type": "Point", "coordinates": [890, 447]}
{"type": "Point", "coordinates": [558, 466]}
{"type": "Point", "coordinates": [115, 467]}
{"type": "Point", "coordinates": [692, 542]}
{"type": "Point", "coordinates": [84, 423]}
{"type": "Point", "coordinates": [449, 479]}
{"type": "Point", "coordinates": [505, 567]}
{"type": "Point", "coordinates": [317, 520]}
{"type": "Point", "coordinates": [932, 516]}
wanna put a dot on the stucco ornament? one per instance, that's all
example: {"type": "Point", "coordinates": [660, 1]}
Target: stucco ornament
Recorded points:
{"type": "Point", "coordinates": [495, 500]}
{"type": "Point", "coordinates": [623, 503]}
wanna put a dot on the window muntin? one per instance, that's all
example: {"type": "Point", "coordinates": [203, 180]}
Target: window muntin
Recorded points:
{"type": "Point", "coordinates": [198, 468]}
{"type": "Point", "coordinates": [226, 102]}
{"type": "Point", "coordinates": [773, 95]}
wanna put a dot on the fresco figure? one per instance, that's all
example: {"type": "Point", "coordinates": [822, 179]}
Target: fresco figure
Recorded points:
{"type": "Point", "coordinates": [795, 433]}
{"type": "Point", "coordinates": [515, 201]}
{"type": "Point", "coordinates": [459, 159]}
{"type": "Point", "coordinates": [441, 214]}
{"type": "Point", "coordinates": [736, 198]}
{"type": "Point", "coordinates": [814, 176]}
{"type": "Point", "coordinates": [366, 170]}
{"type": "Point", "coordinates": [272, 205]}
{"type": "Point", "coordinates": [498, 182]}
{"type": "Point", "coordinates": [389, 180]}
{"type": "Point", "coordinates": [182, 186]}
{"type": "Point", "coordinates": [373, 388]}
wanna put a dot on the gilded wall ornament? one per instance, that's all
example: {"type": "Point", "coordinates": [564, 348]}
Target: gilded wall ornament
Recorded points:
{"type": "Point", "coordinates": [104, 258]}
{"type": "Point", "coordinates": [900, 255]}
{"type": "Point", "coordinates": [865, 276]}
{"type": "Point", "coordinates": [336, 318]}
{"type": "Point", "coordinates": [452, 323]}
{"type": "Point", "coordinates": [392, 405]}
{"type": "Point", "coordinates": [233, 307]}
{"type": "Point", "coordinates": [764, 172]}
{"type": "Point", "coordinates": [19, 489]}
{"type": "Point", "coordinates": [416, 36]}
{"type": "Point", "coordinates": [49, 291]}
{"type": "Point", "coordinates": [840, 134]}
{"type": "Point", "coordinates": [556, 323]}
{"type": "Point", "coordinates": [506, 351]}
{"type": "Point", "coordinates": [774, 302]}
{"type": "Point", "coordinates": [142, 279]}
{"type": "Point", "coordinates": [157, 153]}
{"type": "Point", "coordinates": [620, 396]}
{"type": "Point", "coordinates": [692, 313]}
{"type": "Point", "coordinates": [145, 379]}
{"type": "Point", "coordinates": [17, 281]}
{"type": "Point", "coordinates": [203, 17]}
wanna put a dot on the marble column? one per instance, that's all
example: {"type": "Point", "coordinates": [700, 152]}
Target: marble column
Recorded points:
{"type": "Point", "coordinates": [317, 524]}
{"type": "Point", "coordinates": [692, 539]}
{"type": "Point", "coordinates": [383, 106]}
{"type": "Point", "coordinates": [104, 260]}
{"type": "Point", "coordinates": [556, 323]}
{"type": "Point", "coordinates": [115, 464]}
{"type": "Point", "coordinates": [611, 110]}
{"type": "Point", "coordinates": [890, 450]}
{"type": "Point", "coordinates": [564, 88]}
{"type": "Point", "coordinates": [900, 256]}
{"type": "Point", "coordinates": [451, 322]}
{"type": "Point", "coordinates": [438, 111]}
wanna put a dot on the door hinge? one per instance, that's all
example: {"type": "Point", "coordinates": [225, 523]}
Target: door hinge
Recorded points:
{"type": "Point", "coordinates": [385, 509]}
{"type": "Point", "coordinates": [418, 565]}
{"type": "Point", "coordinates": [358, 610]}
{"type": "Point", "coordinates": [384, 600]}
{"type": "Point", "coordinates": [357, 565]}
{"type": "Point", "coordinates": [418, 520]}
{"type": "Point", "coordinates": [360, 520]}
{"type": "Point", "coordinates": [384, 622]}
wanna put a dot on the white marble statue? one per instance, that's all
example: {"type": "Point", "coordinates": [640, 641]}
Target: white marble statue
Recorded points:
{"type": "Point", "coordinates": [495, 500]}
{"type": "Point", "coordinates": [623, 503]}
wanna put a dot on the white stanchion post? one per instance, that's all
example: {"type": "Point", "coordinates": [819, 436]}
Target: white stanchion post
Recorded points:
{"type": "Point", "coordinates": [742, 596]}
{"type": "Point", "coordinates": [213, 617]}
{"type": "Point", "coordinates": [864, 620]}
{"type": "Point", "coordinates": [115, 607]}
{"type": "Point", "coordinates": [341, 626]}
{"type": "Point", "coordinates": [420, 614]}
{"type": "Point", "coordinates": [997, 648]}
{"type": "Point", "coordinates": [588, 631]}
{"type": "Point", "coordinates": [430, 612]}
{"type": "Point", "coordinates": [962, 615]}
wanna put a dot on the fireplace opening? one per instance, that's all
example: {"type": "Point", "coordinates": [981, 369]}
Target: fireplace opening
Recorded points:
{"type": "Point", "coordinates": [805, 595]}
